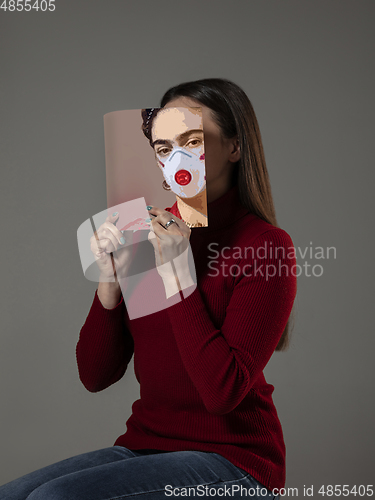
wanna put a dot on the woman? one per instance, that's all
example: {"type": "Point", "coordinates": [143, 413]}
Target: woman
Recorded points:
{"type": "Point", "coordinates": [205, 418]}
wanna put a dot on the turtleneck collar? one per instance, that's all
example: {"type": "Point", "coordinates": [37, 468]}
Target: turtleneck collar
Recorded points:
{"type": "Point", "coordinates": [222, 212]}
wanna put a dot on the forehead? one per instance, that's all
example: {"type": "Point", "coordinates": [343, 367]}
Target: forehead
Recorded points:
{"type": "Point", "coordinates": [171, 122]}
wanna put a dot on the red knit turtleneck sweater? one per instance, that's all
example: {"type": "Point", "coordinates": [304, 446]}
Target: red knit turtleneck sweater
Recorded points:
{"type": "Point", "coordinates": [200, 361]}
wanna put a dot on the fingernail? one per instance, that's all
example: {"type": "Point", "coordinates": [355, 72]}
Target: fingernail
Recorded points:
{"type": "Point", "coordinates": [122, 240]}
{"type": "Point", "coordinates": [148, 220]}
{"type": "Point", "coordinates": [114, 213]}
{"type": "Point", "coordinates": [149, 207]}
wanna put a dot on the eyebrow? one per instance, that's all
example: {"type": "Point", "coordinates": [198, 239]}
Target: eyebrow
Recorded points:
{"type": "Point", "coordinates": [181, 136]}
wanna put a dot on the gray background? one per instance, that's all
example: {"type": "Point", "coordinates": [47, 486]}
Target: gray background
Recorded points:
{"type": "Point", "coordinates": [307, 67]}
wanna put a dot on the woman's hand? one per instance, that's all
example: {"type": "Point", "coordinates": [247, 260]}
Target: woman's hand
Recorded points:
{"type": "Point", "coordinates": [108, 246]}
{"type": "Point", "coordinates": [171, 248]}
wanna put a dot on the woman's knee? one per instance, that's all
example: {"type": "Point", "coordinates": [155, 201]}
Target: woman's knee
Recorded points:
{"type": "Point", "coordinates": [57, 489]}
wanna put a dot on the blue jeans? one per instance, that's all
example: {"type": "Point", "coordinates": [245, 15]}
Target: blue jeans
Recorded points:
{"type": "Point", "coordinates": [117, 473]}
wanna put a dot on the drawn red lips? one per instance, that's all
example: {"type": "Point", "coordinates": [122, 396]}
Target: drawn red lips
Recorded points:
{"type": "Point", "coordinates": [135, 224]}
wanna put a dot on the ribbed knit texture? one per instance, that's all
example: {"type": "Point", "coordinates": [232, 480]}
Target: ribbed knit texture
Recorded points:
{"type": "Point", "coordinates": [200, 361]}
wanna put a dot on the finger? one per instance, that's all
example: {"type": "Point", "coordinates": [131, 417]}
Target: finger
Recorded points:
{"type": "Point", "coordinates": [155, 210]}
{"type": "Point", "coordinates": [101, 246]}
{"type": "Point", "coordinates": [179, 223]}
{"type": "Point", "coordinates": [110, 231]}
{"type": "Point", "coordinates": [109, 223]}
{"type": "Point", "coordinates": [113, 217]}
{"type": "Point", "coordinates": [163, 214]}
{"type": "Point", "coordinates": [159, 229]}
{"type": "Point", "coordinates": [172, 230]}
{"type": "Point", "coordinates": [105, 240]}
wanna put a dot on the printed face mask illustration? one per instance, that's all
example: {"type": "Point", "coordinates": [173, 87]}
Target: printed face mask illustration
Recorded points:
{"type": "Point", "coordinates": [178, 143]}
{"type": "Point", "coordinates": [184, 171]}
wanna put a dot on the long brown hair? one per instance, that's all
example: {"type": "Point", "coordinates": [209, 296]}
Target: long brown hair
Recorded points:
{"type": "Point", "coordinates": [234, 113]}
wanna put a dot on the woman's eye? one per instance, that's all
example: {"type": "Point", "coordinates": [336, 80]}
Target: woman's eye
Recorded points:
{"type": "Point", "coordinates": [194, 142]}
{"type": "Point", "coordinates": [163, 151]}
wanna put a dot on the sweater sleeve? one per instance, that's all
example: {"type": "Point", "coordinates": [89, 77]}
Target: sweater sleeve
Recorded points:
{"type": "Point", "coordinates": [105, 346]}
{"type": "Point", "coordinates": [224, 363]}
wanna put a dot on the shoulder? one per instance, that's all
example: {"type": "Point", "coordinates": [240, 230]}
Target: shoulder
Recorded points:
{"type": "Point", "coordinates": [276, 236]}
{"type": "Point", "coordinates": [267, 254]}
{"type": "Point", "coordinates": [255, 231]}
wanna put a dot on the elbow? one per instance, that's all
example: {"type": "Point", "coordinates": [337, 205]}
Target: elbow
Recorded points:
{"type": "Point", "coordinates": [232, 395]}
{"type": "Point", "coordinates": [218, 410]}
{"type": "Point", "coordinates": [91, 386]}
{"type": "Point", "coordinates": [222, 407]}
{"type": "Point", "coordinates": [92, 389]}
{"type": "Point", "coordinates": [92, 381]}
{"type": "Point", "coordinates": [101, 380]}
